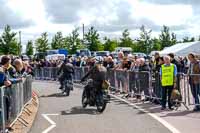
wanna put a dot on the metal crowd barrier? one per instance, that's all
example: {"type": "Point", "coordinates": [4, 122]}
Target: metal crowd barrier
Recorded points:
{"type": "Point", "coordinates": [50, 73]}
{"type": "Point", "coordinates": [13, 100]}
{"type": "Point", "coordinates": [2, 111]}
{"type": "Point", "coordinates": [121, 81]}
{"type": "Point", "coordinates": [140, 83]}
{"type": "Point", "coordinates": [192, 88]}
{"type": "Point", "coordinates": [188, 88]}
{"type": "Point", "coordinates": [137, 83]}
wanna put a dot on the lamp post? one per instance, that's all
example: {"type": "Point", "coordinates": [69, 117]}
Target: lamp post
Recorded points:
{"type": "Point", "coordinates": [19, 44]}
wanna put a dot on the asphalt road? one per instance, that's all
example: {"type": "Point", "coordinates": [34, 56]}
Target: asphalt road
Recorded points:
{"type": "Point", "coordinates": [72, 118]}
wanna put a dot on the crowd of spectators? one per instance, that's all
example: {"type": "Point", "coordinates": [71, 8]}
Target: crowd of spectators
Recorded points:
{"type": "Point", "coordinates": [125, 62]}
{"type": "Point", "coordinates": [12, 71]}
{"type": "Point", "coordinates": [13, 67]}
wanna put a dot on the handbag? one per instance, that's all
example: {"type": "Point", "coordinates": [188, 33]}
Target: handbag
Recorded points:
{"type": "Point", "coordinates": [105, 85]}
{"type": "Point", "coordinates": [176, 95]}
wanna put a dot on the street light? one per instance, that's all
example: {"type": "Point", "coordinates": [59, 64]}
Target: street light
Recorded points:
{"type": "Point", "coordinates": [19, 44]}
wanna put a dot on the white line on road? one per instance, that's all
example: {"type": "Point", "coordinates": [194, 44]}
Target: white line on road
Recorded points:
{"type": "Point", "coordinates": [53, 124]}
{"type": "Point", "coordinates": [165, 123]}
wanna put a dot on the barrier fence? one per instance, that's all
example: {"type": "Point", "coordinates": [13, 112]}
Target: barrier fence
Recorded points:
{"type": "Point", "coordinates": [13, 100]}
{"type": "Point", "coordinates": [138, 84]}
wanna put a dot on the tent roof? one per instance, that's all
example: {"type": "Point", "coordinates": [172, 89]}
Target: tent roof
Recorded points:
{"type": "Point", "coordinates": [182, 49]}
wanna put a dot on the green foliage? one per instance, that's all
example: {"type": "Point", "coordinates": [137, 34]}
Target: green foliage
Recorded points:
{"type": "Point", "coordinates": [110, 45]}
{"type": "Point", "coordinates": [8, 42]}
{"type": "Point", "coordinates": [144, 43]}
{"type": "Point", "coordinates": [73, 41]}
{"type": "Point", "coordinates": [42, 43]}
{"type": "Point", "coordinates": [100, 47]}
{"type": "Point", "coordinates": [187, 39]}
{"type": "Point", "coordinates": [173, 40]}
{"type": "Point", "coordinates": [126, 40]}
{"type": "Point", "coordinates": [57, 41]}
{"type": "Point", "coordinates": [166, 39]}
{"type": "Point", "coordinates": [92, 39]}
{"type": "Point", "coordinates": [29, 48]}
{"type": "Point", "coordinates": [156, 46]}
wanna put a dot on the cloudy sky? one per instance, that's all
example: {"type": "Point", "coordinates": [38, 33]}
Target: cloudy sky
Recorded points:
{"type": "Point", "coordinates": [110, 17]}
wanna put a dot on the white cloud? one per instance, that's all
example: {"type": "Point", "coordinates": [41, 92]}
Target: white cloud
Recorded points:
{"type": "Point", "coordinates": [110, 17]}
{"type": "Point", "coordinates": [29, 9]}
{"type": "Point", "coordinates": [163, 14]}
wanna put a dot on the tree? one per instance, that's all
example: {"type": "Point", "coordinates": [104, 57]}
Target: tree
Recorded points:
{"type": "Point", "coordinates": [8, 42]}
{"type": "Point", "coordinates": [42, 43]}
{"type": "Point", "coordinates": [144, 41]}
{"type": "Point", "coordinates": [165, 37]}
{"type": "Point", "coordinates": [126, 41]}
{"type": "Point", "coordinates": [110, 45]}
{"type": "Point", "coordinates": [173, 39]}
{"type": "Point", "coordinates": [187, 39]}
{"type": "Point", "coordinates": [74, 42]}
{"type": "Point", "coordinates": [57, 41]}
{"type": "Point", "coordinates": [156, 45]}
{"type": "Point", "coordinates": [92, 39]}
{"type": "Point", "coordinates": [29, 48]}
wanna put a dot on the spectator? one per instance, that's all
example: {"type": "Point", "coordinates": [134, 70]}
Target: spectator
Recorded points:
{"type": "Point", "coordinates": [10, 71]}
{"type": "Point", "coordinates": [158, 87]}
{"type": "Point", "coordinates": [5, 62]}
{"type": "Point", "coordinates": [27, 69]}
{"type": "Point", "coordinates": [168, 74]}
{"type": "Point", "coordinates": [143, 66]}
{"type": "Point", "coordinates": [110, 62]}
{"type": "Point", "coordinates": [18, 66]}
{"type": "Point", "coordinates": [111, 75]}
{"type": "Point", "coordinates": [175, 61]}
{"type": "Point", "coordinates": [105, 62]}
{"type": "Point", "coordinates": [144, 77]}
{"type": "Point", "coordinates": [186, 65]}
{"type": "Point", "coordinates": [179, 67]}
{"type": "Point", "coordinates": [156, 62]}
{"type": "Point", "coordinates": [120, 74]}
{"type": "Point", "coordinates": [78, 62]}
{"type": "Point", "coordinates": [194, 80]}
{"type": "Point", "coordinates": [161, 62]}
{"type": "Point", "coordinates": [3, 78]}
{"type": "Point", "coordinates": [135, 65]}
{"type": "Point", "coordinates": [119, 60]}
{"type": "Point", "coordinates": [54, 63]}
{"type": "Point", "coordinates": [83, 61]}
{"type": "Point", "coordinates": [126, 64]}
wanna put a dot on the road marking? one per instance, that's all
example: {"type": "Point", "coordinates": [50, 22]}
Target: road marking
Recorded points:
{"type": "Point", "coordinates": [165, 123]}
{"type": "Point", "coordinates": [53, 124]}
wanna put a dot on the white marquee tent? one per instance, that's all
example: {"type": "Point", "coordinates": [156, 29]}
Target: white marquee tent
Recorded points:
{"type": "Point", "coordinates": [182, 49]}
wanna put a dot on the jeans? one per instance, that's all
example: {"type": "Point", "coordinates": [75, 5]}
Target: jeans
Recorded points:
{"type": "Point", "coordinates": [195, 89]}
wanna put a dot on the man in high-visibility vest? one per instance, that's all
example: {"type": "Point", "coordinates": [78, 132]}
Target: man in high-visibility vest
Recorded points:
{"type": "Point", "coordinates": [168, 72]}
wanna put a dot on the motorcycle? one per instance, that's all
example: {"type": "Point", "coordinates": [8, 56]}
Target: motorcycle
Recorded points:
{"type": "Point", "coordinates": [68, 86]}
{"type": "Point", "coordinates": [98, 98]}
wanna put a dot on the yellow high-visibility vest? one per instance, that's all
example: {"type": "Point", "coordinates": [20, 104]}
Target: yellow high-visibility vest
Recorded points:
{"type": "Point", "coordinates": [167, 75]}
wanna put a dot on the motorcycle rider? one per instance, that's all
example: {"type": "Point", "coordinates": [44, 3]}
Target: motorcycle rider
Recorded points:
{"type": "Point", "coordinates": [97, 74]}
{"type": "Point", "coordinates": [66, 70]}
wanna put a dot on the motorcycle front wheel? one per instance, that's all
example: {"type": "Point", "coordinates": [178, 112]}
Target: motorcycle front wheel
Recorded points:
{"type": "Point", "coordinates": [101, 108]}
{"type": "Point", "coordinates": [100, 103]}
